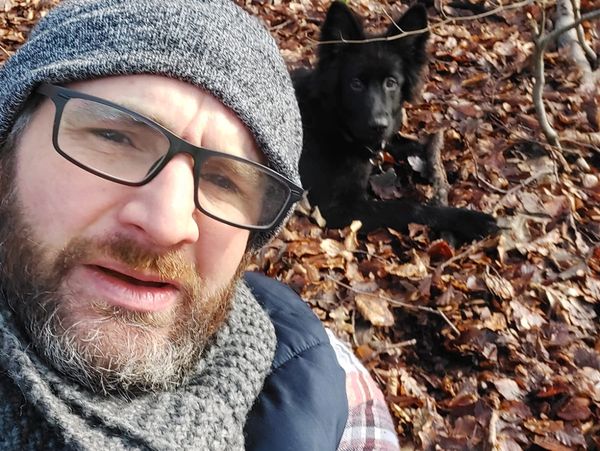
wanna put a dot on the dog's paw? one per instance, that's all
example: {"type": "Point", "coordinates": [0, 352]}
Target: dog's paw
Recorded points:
{"type": "Point", "coordinates": [470, 224]}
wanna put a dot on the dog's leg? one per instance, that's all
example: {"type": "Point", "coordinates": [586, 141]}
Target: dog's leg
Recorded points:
{"type": "Point", "coordinates": [401, 147]}
{"type": "Point", "coordinates": [465, 224]}
{"type": "Point", "coordinates": [437, 177]}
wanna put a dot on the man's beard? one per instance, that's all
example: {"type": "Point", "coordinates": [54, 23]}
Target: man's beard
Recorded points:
{"type": "Point", "coordinates": [103, 347]}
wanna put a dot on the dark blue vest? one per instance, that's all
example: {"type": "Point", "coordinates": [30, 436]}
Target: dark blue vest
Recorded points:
{"type": "Point", "coordinates": [303, 404]}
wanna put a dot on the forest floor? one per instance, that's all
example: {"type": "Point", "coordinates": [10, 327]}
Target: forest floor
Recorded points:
{"type": "Point", "coordinates": [495, 344]}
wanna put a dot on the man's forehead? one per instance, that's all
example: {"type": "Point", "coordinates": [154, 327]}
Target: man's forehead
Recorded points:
{"type": "Point", "coordinates": [155, 90]}
{"type": "Point", "coordinates": [171, 103]}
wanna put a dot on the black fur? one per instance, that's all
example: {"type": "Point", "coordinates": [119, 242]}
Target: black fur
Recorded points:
{"type": "Point", "coordinates": [351, 103]}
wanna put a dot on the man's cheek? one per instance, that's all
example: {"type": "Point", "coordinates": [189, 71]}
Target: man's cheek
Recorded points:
{"type": "Point", "coordinates": [219, 251]}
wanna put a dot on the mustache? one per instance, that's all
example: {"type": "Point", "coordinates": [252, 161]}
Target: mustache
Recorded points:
{"type": "Point", "coordinates": [167, 265]}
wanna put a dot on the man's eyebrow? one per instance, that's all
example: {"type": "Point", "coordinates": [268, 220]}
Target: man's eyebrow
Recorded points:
{"type": "Point", "coordinates": [139, 109]}
{"type": "Point", "coordinates": [87, 110]}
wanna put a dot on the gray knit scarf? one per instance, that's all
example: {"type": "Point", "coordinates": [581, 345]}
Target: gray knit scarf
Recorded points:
{"type": "Point", "coordinates": [39, 409]}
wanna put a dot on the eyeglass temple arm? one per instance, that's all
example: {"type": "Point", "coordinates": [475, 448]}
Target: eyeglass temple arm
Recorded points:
{"type": "Point", "coordinates": [296, 193]}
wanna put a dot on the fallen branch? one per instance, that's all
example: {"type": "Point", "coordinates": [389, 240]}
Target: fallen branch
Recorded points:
{"type": "Point", "coordinates": [396, 303]}
{"type": "Point", "coordinates": [435, 168]}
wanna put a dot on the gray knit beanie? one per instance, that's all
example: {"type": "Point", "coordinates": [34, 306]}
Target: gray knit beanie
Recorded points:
{"type": "Point", "coordinates": [213, 44]}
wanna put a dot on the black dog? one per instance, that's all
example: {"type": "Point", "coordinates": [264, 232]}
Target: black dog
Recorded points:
{"type": "Point", "coordinates": [351, 106]}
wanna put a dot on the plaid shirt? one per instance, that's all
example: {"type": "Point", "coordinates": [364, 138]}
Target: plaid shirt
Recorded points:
{"type": "Point", "coordinates": [370, 425]}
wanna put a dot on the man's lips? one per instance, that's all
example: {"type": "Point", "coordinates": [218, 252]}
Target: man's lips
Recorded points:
{"type": "Point", "coordinates": [124, 287]}
{"type": "Point", "coordinates": [140, 279]}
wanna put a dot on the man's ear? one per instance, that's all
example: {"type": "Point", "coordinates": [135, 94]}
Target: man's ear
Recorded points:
{"type": "Point", "coordinates": [340, 24]}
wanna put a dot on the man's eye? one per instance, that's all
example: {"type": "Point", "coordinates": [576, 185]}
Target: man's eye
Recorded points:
{"type": "Point", "coordinates": [113, 135]}
{"type": "Point", "coordinates": [356, 84]}
{"type": "Point", "coordinates": [222, 182]}
{"type": "Point", "coordinates": [390, 83]}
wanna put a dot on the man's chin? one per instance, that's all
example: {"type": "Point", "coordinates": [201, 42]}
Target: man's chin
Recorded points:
{"type": "Point", "coordinates": [118, 327]}
{"type": "Point", "coordinates": [90, 314]}
{"type": "Point", "coordinates": [116, 351]}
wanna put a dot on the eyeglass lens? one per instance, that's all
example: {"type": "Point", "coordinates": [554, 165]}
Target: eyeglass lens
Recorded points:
{"type": "Point", "coordinates": [121, 146]}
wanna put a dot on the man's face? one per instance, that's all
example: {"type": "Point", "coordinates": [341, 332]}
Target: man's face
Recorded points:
{"type": "Point", "coordinates": [122, 286]}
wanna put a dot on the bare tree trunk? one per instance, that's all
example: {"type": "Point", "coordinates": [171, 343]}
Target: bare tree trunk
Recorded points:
{"type": "Point", "coordinates": [567, 12]}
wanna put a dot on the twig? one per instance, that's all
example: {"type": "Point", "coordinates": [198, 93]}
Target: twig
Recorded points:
{"type": "Point", "coordinates": [472, 248]}
{"type": "Point", "coordinates": [492, 431]}
{"type": "Point", "coordinates": [369, 254]}
{"type": "Point", "coordinates": [538, 87]}
{"type": "Point", "coordinates": [6, 52]}
{"type": "Point", "coordinates": [543, 29]}
{"type": "Point", "coordinates": [490, 12]}
{"type": "Point", "coordinates": [281, 25]}
{"type": "Point", "coordinates": [449, 20]}
{"type": "Point", "coordinates": [588, 146]}
{"type": "Point", "coordinates": [520, 186]}
{"type": "Point", "coordinates": [381, 347]}
{"type": "Point", "coordinates": [354, 340]}
{"type": "Point", "coordinates": [397, 303]}
{"type": "Point", "coordinates": [386, 14]}
{"type": "Point", "coordinates": [384, 347]}
{"type": "Point", "coordinates": [480, 178]}
{"type": "Point", "coordinates": [442, 10]}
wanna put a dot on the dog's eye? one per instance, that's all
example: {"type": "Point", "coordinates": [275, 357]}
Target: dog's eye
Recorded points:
{"type": "Point", "coordinates": [356, 84]}
{"type": "Point", "coordinates": [390, 83]}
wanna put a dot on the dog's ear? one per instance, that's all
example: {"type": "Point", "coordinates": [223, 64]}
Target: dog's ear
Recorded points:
{"type": "Point", "coordinates": [415, 18]}
{"type": "Point", "coordinates": [340, 24]}
{"type": "Point", "coordinates": [411, 47]}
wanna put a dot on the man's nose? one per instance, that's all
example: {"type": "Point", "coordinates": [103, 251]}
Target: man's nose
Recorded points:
{"type": "Point", "coordinates": [164, 208]}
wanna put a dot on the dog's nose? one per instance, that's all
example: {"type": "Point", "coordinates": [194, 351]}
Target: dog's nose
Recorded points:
{"type": "Point", "coordinates": [379, 124]}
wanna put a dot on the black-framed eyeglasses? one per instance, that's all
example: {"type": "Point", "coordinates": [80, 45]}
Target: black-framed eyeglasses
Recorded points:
{"type": "Point", "coordinates": [125, 147]}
